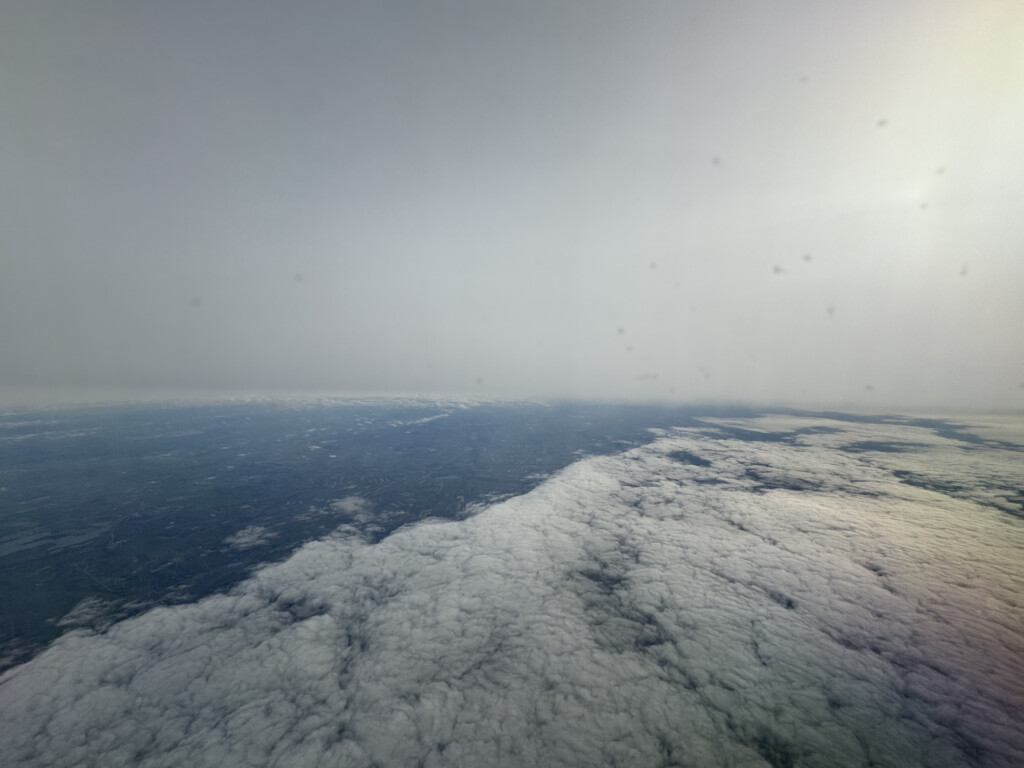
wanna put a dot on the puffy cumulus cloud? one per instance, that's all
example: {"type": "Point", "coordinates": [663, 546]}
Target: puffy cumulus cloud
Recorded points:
{"type": "Point", "coordinates": [738, 594]}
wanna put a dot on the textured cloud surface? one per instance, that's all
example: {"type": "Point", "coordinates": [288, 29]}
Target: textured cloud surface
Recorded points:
{"type": "Point", "coordinates": [780, 591]}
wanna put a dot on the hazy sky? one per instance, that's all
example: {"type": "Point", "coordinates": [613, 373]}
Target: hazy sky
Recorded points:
{"type": "Point", "coordinates": [787, 202]}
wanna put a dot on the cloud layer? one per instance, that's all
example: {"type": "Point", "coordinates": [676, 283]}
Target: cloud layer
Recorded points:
{"type": "Point", "coordinates": [742, 594]}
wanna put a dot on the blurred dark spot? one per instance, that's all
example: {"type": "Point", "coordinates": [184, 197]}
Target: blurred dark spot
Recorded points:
{"type": "Point", "coordinates": [654, 265]}
{"type": "Point", "coordinates": [882, 123]}
{"type": "Point", "coordinates": [807, 257]}
{"type": "Point", "coordinates": [831, 310]}
{"type": "Point", "coordinates": [646, 377]}
{"type": "Point", "coordinates": [307, 104]}
{"type": "Point", "coordinates": [803, 79]}
{"type": "Point", "coordinates": [963, 271]}
{"type": "Point", "coordinates": [940, 170]}
{"type": "Point", "coordinates": [777, 270]}
{"type": "Point", "coordinates": [620, 330]}
{"type": "Point", "coordinates": [869, 387]}
{"type": "Point", "coordinates": [298, 277]}
{"type": "Point", "coordinates": [924, 206]}
{"type": "Point", "coordinates": [196, 302]}
{"type": "Point", "coordinates": [716, 160]}
{"type": "Point", "coordinates": [479, 380]}
{"type": "Point", "coordinates": [629, 348]}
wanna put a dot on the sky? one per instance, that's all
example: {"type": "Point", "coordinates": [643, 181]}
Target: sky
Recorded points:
{"type": "Point", "coordinates": [799, 203]}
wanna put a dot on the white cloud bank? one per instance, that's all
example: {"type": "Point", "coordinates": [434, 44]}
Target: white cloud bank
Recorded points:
{"type": "Point", "coordinates": [678, 604]}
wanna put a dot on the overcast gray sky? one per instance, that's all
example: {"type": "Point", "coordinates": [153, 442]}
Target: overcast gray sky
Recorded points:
{"type": "Point", "coordinates": [786, 202]}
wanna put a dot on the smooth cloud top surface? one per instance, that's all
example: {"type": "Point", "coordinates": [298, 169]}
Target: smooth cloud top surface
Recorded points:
{"type": "Point", "coordinates": [781, 591]}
